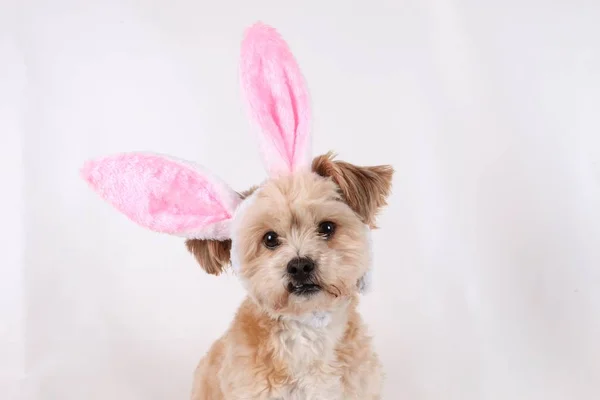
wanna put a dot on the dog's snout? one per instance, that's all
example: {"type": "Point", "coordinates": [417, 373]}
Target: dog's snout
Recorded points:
{"type": "Point", "coordinates": [300, 268]}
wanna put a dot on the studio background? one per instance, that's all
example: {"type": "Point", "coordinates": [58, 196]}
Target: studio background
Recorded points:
{"type": "Point", "coordinates": [487, 273]}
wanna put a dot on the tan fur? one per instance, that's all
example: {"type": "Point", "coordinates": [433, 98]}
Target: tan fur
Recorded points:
{"type": "Point", "coordinates": [264, 358]}
{"type": "Point", "coordinates": [293, 207]}
{"type": "Point", "coordinates": [284, 346]}
{"type": "Point", "coordinates": [365, 189]}
{"type": "Point", "coordinates": [213, 255]}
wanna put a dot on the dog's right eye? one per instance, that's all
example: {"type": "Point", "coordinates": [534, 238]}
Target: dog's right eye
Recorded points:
{"type": "Point", "coordinates": [271, 240]}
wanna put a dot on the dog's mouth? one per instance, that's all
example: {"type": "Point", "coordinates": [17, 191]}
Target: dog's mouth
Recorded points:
{"type": "Point", "coordinates": [303, 289]}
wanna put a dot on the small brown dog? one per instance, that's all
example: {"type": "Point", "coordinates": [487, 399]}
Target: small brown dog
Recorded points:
{"type": "Point", "coordinates": [300, 243]}
{"type": "Point", "coordinates": [301, 249]}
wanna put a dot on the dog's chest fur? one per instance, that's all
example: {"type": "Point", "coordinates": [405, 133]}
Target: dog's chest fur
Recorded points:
{"type": "Point", "coordinates": [316, 357]}
{"type": "Point", "coordinates": [307, 346]}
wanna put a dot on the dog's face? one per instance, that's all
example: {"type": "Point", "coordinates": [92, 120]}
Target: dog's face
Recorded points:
{"type": "Point", "coordinates": [301, 243]}
{"type": "Point", "coordinates": [298, 247]}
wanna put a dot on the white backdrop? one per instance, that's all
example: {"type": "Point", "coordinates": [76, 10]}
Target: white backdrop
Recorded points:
{"type": "Point", "coordinates": [487, 282]}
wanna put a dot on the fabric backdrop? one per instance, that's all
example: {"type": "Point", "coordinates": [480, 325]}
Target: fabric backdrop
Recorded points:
{"type": "Point", "coordinates": [487, 279]}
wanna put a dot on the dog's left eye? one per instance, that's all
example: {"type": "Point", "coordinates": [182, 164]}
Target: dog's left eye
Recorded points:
{"type": "Point", "coordinates": [326, 229]}
{"type": "Point", "coordinates": [271, 240]}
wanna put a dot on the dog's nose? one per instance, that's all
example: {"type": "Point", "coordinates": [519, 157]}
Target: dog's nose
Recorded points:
{"type": "Point", "coordinates": [300, 268]}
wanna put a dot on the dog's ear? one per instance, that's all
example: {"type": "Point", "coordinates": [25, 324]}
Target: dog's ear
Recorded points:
{"type": "Point", "coordinates": [214, 256]}
{"type": "Point", "coordinates": [365, 189]}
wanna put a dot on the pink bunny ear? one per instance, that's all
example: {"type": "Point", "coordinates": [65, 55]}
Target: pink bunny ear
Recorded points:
{"type": "Point", "coordinates": [164, 195]}
{"type": "Point", "coordinates": [277, 98]}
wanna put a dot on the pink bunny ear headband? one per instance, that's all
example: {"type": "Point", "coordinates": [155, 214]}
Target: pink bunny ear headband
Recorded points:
{"type": "Point", "coordinates": [180, 198]}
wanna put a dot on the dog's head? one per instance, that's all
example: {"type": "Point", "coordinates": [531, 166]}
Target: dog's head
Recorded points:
{"type": "Point", "coordinates": [300, 240]}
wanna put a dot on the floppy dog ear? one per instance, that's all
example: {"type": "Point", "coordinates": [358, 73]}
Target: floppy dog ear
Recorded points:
{"type": "Point", "coordinates": [277, 100]}
{"type": "Point", "coordinates": [364, 189]}
{"type": "Point", "coordinates": [214, 256]}
{"type": "Point", "coordinates": [165, 195]}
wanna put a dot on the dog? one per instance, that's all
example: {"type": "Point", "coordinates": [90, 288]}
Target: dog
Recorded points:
{"type": "Point", "coordinates": [301, 248]}
{"type": "Point", "coordinates": [299, 242]}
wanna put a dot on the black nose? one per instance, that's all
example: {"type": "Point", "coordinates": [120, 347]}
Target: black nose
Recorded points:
{"type": "Point", "coordinates": [300, 268]}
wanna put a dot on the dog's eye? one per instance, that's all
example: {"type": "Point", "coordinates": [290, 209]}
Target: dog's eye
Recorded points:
{"type": "Point", "coordinates": [326, 229]}
{"type": "Point", "coordinates": [271, 240]}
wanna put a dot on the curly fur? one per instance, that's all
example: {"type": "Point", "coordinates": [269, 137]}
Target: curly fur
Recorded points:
{"type": "Point", "coordinates": [282, 346]}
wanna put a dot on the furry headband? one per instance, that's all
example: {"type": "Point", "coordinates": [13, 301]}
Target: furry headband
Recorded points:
{"type": "Point", "coordinates": [180, 198]}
